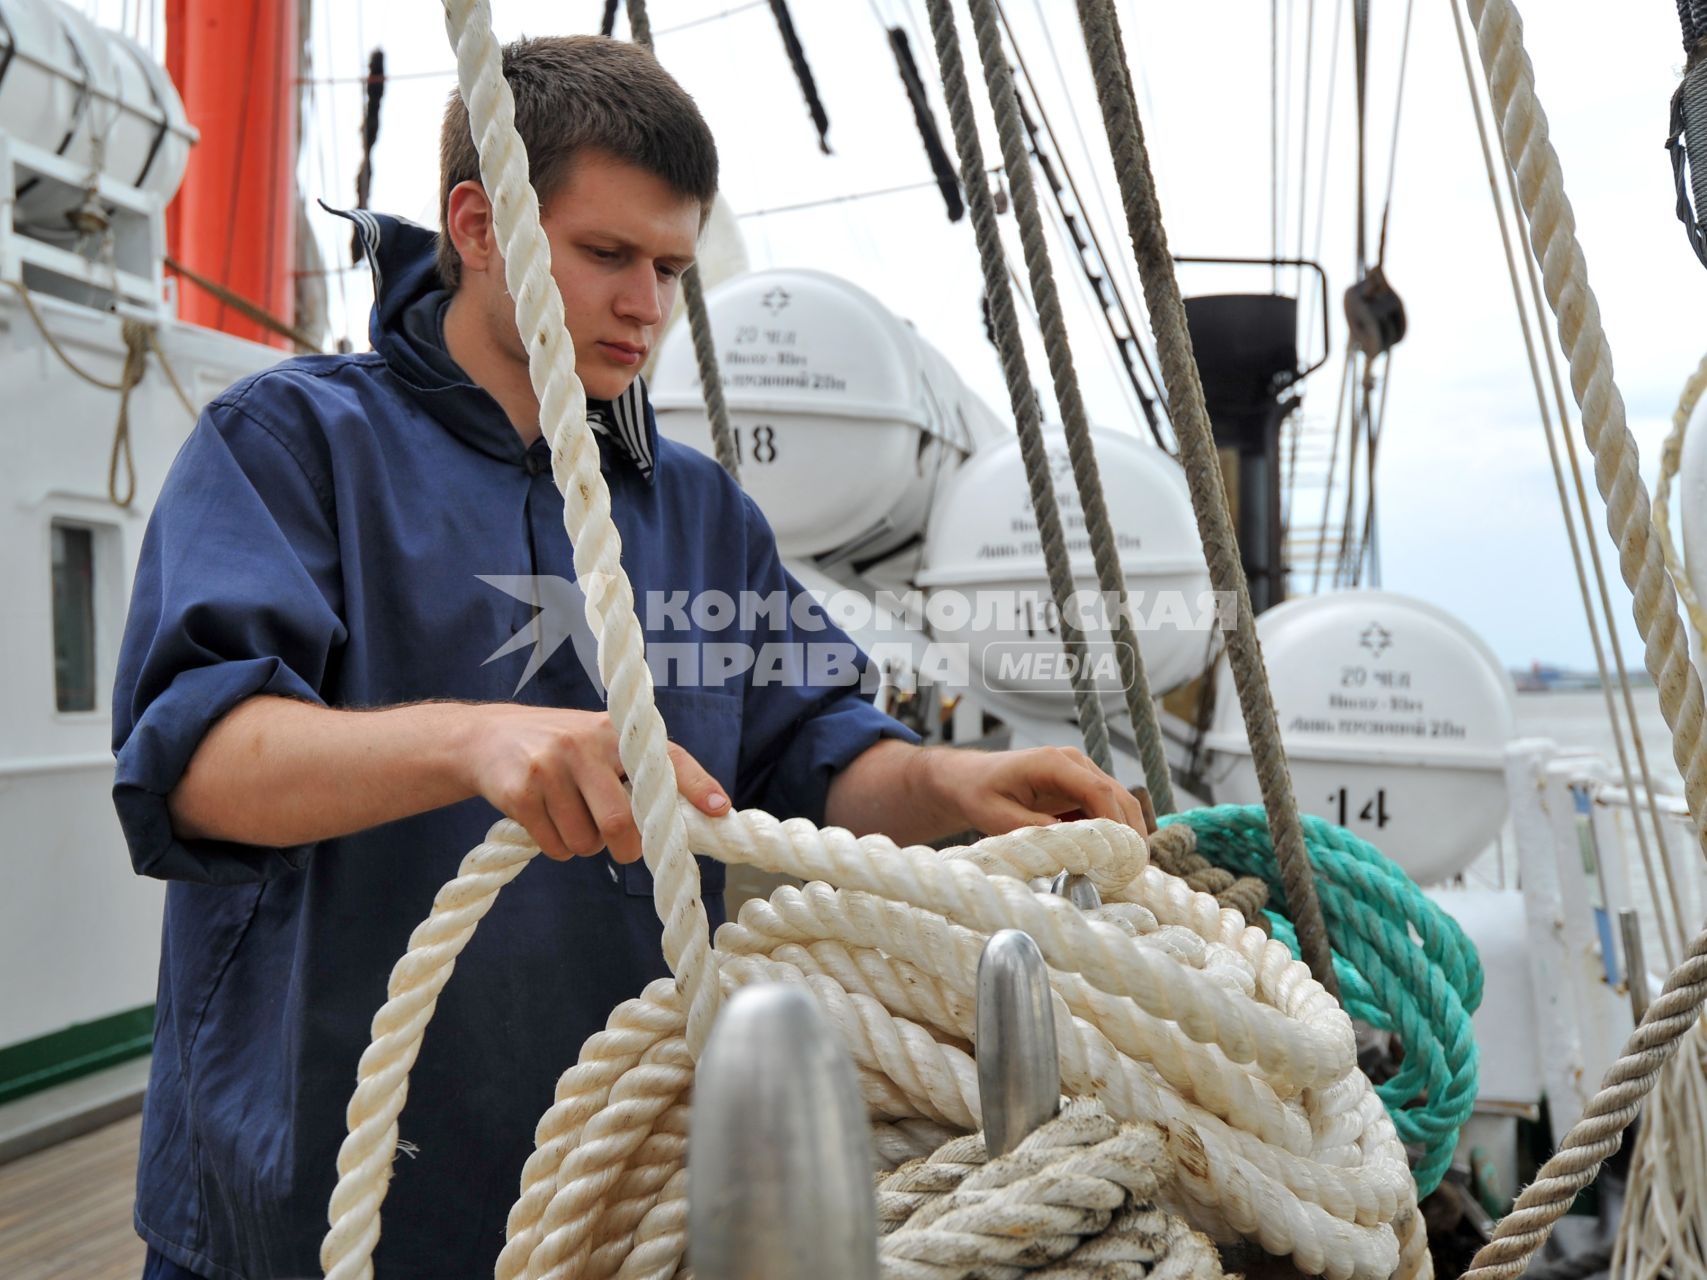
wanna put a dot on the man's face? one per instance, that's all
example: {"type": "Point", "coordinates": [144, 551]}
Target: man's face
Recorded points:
{"type": "Point", "coordinates": [620, 239]}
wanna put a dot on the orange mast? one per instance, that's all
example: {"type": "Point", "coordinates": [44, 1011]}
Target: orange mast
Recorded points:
{"type": "Point", "coordinates": [234, 219]}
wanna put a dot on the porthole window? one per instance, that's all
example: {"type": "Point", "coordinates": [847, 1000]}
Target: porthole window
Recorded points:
{"type": "Point", "coordinates": [73, 617]}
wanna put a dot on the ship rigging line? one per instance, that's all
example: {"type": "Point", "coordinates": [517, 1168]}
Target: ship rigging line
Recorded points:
{"type": "Point", "coordinates": [1203, 475]}
{"type": "Point", "coordinates": [1523, 136]}
{"type": "Point", "coordinates": [1360, 39]}
{"type": "Point", "coordinates": [1393, 148]}
{"type": "Point", "coordinates": [1327, 141]}
{"type": "Point", "coordinates": [1089, 281]}
{"type": "Point", "coordinates": [1274, 138]}
{"type": "Point", "coordinates": [1662, 919]}
{"type": "Point", "coordinates": [1333, 461]}
{"type": "Point", "coordinates": [1148, 397]}
{"type": "Point", "coordinates": [1124, 266]}
{"type": "Point", "coordinates": [723, 441]}
{"type": "Point", "coordinates": [1358, 547]}
{"type": "Point", "coordinates": [1304, 139]}
{"type": "Point", "coordinates": [848, 197]}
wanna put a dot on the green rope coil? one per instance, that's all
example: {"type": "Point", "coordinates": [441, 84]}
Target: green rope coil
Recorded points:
{"type": "Point", "coordinates": [1404, 966]}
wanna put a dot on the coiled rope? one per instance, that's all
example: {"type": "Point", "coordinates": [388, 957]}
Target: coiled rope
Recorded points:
{"type": "Point", "coordinates": [139, 340]}
{"type": "Point", "coordinates": [1073, 1199]}
{"type": "Point", "coordinates": [1174, 850]}
{"type": "Point", "coordinates": [1190, 417]}
{"type": "Point", "coordinates": [1424, 991]}
{"type": "Point", "coordinates": [1170, 1010]}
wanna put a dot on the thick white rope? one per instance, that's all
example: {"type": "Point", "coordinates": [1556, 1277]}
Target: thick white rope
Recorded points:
{"type": "Point", "coordinates": [642, 741]}
{"type": "Point", "coordinates": [1168, 1008]}
{"type": "Point", "coordinates": [1511, 88]}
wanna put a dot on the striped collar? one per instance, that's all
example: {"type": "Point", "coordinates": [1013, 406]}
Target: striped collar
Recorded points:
{"type": "Point", "coordinates": [624, 421]}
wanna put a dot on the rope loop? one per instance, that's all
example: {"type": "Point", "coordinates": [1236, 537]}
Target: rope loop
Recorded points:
{"type": "Point", "coordinates": [1404, 966]}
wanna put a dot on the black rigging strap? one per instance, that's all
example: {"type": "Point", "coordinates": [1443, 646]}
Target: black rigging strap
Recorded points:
{"type": "Point", "coordinates": [946, 180]}
{"type": "Point", "coordinates": [373, 91]}
{"type": "Point", "coordinates": [802, 72]}
{"type": "Point", "coordinates": [1689, 128]}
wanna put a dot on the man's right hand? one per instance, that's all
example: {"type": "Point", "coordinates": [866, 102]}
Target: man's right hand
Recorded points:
{"type": "Point", "coordinates": [279, 773]}
{"type": "Point", "coordinates": [558, 774]}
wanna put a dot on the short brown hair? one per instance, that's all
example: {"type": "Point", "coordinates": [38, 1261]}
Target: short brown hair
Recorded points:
{"type": "Point", "coordinates": [575, 92]}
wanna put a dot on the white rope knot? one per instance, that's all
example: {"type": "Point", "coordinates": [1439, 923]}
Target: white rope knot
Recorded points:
{"type": "Point", "coordinates": [1078, 1192]}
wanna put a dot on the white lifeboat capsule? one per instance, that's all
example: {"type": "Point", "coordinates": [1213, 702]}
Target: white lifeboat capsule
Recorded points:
{"type": "Point", "coordinates": [988, 587]}
{"type": "Point", "coordinates": [1395, 717]}
{"type": "Point", "coordinates": [92, 98]}
{"type": "Point", "coordinates": [846, 421]}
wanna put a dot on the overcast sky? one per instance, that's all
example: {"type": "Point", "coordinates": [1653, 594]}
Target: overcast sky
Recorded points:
{"type": "Point", "coordinates": [1469, 517]}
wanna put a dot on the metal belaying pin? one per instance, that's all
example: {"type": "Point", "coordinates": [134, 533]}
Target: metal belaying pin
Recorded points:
{"type": "Point", "coordinates": [780, 1168]}
{"type": "Point", "coordinates": [1019, 1068]}
{"type": "Point", "coordinates": [1078, 890]}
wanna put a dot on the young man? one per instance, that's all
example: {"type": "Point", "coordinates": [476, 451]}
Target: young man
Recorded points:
{"type": "Point", "coordinates": [313, 722]}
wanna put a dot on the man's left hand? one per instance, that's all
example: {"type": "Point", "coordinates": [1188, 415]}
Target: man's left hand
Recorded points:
{"type": "Point", "coordinates": [916, 795]}
{"type": "Point", "coordinates": [1000, 791]}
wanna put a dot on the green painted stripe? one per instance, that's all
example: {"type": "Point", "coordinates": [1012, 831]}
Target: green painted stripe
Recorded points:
{"type": "Point", "coordinates": [76, 1051]}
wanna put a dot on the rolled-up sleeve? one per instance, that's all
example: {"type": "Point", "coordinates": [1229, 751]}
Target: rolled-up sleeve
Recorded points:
{"type": "Point", "coordinates": [237, 593]}
{"type": "Point", "coordinates": [799, 733]}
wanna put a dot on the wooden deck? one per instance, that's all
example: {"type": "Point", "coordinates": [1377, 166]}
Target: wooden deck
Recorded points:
{"type": "Point", "coordinates": [65, 1211]}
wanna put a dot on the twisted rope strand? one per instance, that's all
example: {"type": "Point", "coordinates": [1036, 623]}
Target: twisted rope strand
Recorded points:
{"type": "Point", "coordinates": [960, 1213]}
{"type": "Point", "coordinates": [1600, 1132]}
{"type": "Point", "coordinates": [1511, 87]}
{"type": "Point", "coordinates": [641, 740]}
{"type": "Point", "coordinates": [1663, 917]}
{"type": "Point", "coordinates": [1081, 450]}
{"type": "Point", "coordinates": [1203, 471]}
{"type": "Point", "coordinates": [1010, 347]}
{"type": "Point", "coordinates": [364, 1158]}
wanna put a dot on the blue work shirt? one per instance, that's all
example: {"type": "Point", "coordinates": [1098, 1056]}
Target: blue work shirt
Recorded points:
{"type": "Point", "coordinates": [322, 536]}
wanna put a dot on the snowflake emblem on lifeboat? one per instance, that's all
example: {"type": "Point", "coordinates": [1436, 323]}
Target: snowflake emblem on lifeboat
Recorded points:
{"type": "Point", "coordinates": [1376, 638]}
{"type": "Point", "coordinates": [775, 300]}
